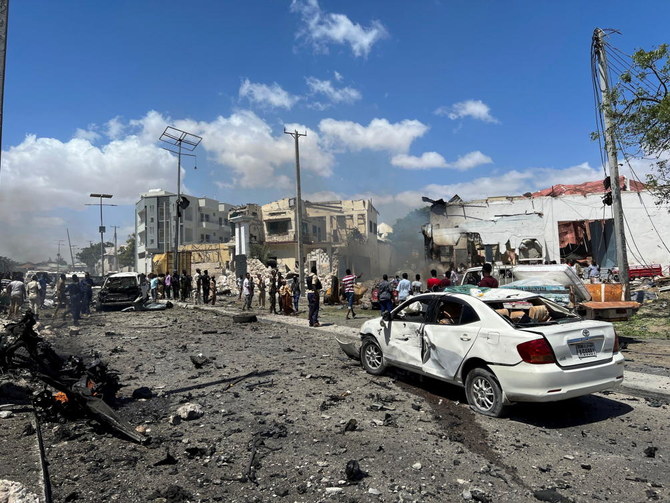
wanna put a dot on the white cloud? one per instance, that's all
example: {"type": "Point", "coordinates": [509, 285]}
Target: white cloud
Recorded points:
{"type": "Point", "coordinates": [114, 128]}
{"type": "Point", "coordinates": [475, 109]}
{"type": "Point", "coordinates": [427, 160]}
{"type": "Point", "coordinates": [326, 88]}
{"type": "Point", "coordinates": [87, 134]}
{"type": "Point", "coordinates": [430, 160]}
{"type": "Point", "coordinates": [267, 95]}
{"type": "Point", "coordinates": [323, 195]}
{"type": "Point", "coordinates": [338, 76]}
{"type": "Point", "coordinates": [322, 28]}
{"type": "Point", "coordinates": [380, 134]}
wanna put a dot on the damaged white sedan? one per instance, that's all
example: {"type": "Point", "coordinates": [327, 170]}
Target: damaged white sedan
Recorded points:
{"type": "Point", "coordinates": [502, 345]}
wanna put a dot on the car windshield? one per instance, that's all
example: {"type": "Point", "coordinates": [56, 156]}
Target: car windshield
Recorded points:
{"type": "Point", "coordinates": [120, 284]}
{"type": "Point", "coordinates": [532, 311]}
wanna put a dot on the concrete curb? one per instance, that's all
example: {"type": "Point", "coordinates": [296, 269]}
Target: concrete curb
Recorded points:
{"type": "Point", "coordinates": [645, 385]}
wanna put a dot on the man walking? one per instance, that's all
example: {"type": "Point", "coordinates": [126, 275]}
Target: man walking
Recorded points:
{"type": "Point", "coordinates": [74, 292]}
{"type": "Point", "coordinates": [261, 291]}
{"type": "Point", "coordinates": [404, 288]}
{"type": "Point", "coordinates": [86, 293]}
{"type": "Point", "coordinates": [313, 291]}
{"type": "Point", "coordinates": [247, 291]}
{"type": "Point", "coordinates": [175, 285]}
{"type": "Point", "coordinates": [348, 284]}
{"type": "Point", "coordinates": [184, 283]}
{"type": "Point", "coordinates": [167, 283]}
{"type": "Point", "coordinates": [205, 287]}
{"type": "Point", "coordinates": [433, 282]}
{"type": "Point", "coordinates": [197, 286]}
{"type": "Point", "coordinates": [272, 291]}
{"type": "Point", "coordinates": [417, 286]}
{"type": "Point", "coordinates": [34, 297]}
{"type": "Point", "coordinates": [385, 295]}
{"type": "Point", "coordinates": [17, 296]}
{"type": "Point", "coordinates": [59, 295]}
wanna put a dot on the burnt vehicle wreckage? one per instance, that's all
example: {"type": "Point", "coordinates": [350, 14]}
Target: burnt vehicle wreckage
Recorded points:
{"type": "Point", "coordinates": [87, 389]}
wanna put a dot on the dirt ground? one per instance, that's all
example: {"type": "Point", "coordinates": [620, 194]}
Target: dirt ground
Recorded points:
{"type": "Point", "coordinates": [285, 412]}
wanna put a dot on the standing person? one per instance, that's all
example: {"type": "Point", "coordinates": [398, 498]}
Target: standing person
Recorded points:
{"type": "Point", "coordinates": [488, 280]}
{"type": "Point", "coordinates": [240, 284]}
{"type": "Point", "coordinates": [153, 285]}
{"type": "Point", "coordinates": [167, 285]}
{"type": "Point", "coordinates": [272, 291]}
{"type": "Point", "coordinates": [313, 291]}
{"type": "Point", "coordinates": [197, 286]}
{"type": "Point", "coordinates": [295, 289]}
{"type": "Point", "coordinates": [184, 283]}
{"type": "Point", "coordinates": [175, 285]}
{"type": "Point", "coordinates": [74, 292]}
{"type": "Point", "coordinates": [444, 282]}
{"type": "Point", "coordinates": [247, 291]}
{"type": "Point", "coordinates": [385, 294]}
{"type": "Point", "coordinates": [212, 289]}
{"type": "Point", "coordinates": [453, 275]}
{"type": "Point", "coordinates": [86, 285]}
{"type": "Point", "coordinates": [43, 288]}
{"type": "Point", "coordinates": [433, 281]}
{"type": "Point", "coordinates": [17, 296]}
{"type": "Point", "coordinates": [286, 295]}
{"type": "Point", "coordinates": [261, 291]}
{"type": "Point", "coordinates": [348, 284]}
{"type": "Point", "coordinates": [34, 296]}
{"type": "Point", "coordinates": [59, 295]}
{"type": "Point", "coordinates": [205, 287]}
{"type": "Point", "coordinates": [404, 288]}
{"type": "Point", "coordinates": [280, 298]}
{"type": "Point", "coordinates": [417, 285]}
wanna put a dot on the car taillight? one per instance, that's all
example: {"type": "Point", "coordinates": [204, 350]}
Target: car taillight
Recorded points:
{"type": "Point", "coordinates": [615, 349]}
{"type": "Point", "coordinates": [536, 351]}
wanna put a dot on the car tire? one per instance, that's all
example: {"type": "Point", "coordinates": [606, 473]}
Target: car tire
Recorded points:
{"type": "Point", "coordinates": [484, 392]}
{"type": "Point", "coordinates": [372, 357]}
{"type": "Point", "coordinates": [244, 318]}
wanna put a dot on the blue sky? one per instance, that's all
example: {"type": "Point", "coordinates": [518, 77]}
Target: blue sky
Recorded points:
{"type": "Point", "coordinates": [399, 100]}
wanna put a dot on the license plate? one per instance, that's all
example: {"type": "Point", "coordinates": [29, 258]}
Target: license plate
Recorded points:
{"type": "Point", "coordinates": [586, 350]}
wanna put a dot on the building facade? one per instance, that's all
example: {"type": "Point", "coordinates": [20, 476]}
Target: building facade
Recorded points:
{"type": "Point", "coordinates": [203, 220]}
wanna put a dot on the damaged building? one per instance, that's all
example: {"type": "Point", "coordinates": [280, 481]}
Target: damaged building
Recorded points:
{"type": "Point", "coordinates": [559, 223]}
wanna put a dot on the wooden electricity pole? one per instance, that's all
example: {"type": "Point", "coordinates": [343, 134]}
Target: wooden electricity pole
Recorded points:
{"type": "Point", "coordinates": [612, 162]}
{"type": "Point", "coordinates": [298, 207]}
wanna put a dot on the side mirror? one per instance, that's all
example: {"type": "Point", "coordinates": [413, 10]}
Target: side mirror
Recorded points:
{"type": "Point", "coordinates": [386, 316]}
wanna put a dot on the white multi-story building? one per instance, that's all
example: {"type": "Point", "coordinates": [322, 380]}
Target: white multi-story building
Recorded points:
{"type": "Point", "coordinates": [203, 221]}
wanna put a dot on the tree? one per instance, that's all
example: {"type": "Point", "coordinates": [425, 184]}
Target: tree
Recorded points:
{"type": "Point", "coordinates": [7, 265]}
{"type": "Point", "coordinates": [91, 254]}
{"type": "Point", "coordinates": [640, 112]}
{"type": "Point", "coordinates": [127, 252]}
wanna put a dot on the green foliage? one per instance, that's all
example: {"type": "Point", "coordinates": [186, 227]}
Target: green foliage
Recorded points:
{"type": "Point", "coordinates": [7, 264]}
{"type": "Point", "coordinates": [127, 252]}
{"type": "Point", "coordinates": [90, 255]}
{"type": "Point", "coordinates": [640, 112]}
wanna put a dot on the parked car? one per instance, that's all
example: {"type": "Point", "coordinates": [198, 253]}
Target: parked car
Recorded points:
{"type": "Point", "coordinates": [503, 346]}
{"type": "Point", "coordinates": [119, 290]}
{"type": "Point", "coordinates": [473, 275]}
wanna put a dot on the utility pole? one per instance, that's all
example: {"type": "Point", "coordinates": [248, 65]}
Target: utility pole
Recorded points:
{"type": "Point", "coordinates": [69, 245]}
{"type": "Point", "coordinates": [58, 256]}
{"type": "Point", "coordinates": [4, 17]}
{"type": "Point", "coordinates": [181, 140]}
{"type": "Point", "coordinates": [298, 206]}
{"type": "Point", "coordinates": [612, 162]}
{"type": "Point", "coordinates": [102, 229]}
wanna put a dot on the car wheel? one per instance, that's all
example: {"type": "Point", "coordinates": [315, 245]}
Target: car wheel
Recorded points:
{"type": "Point", "coordinates": [484, 392]}
{"type": "Point", "coordinates": [372, 358]}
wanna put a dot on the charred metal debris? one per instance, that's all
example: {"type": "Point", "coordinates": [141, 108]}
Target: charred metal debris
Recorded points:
{"type": "Point", "coordinates": [81, 388]}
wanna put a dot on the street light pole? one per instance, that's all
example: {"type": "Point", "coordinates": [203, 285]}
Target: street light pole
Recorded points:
{"type": "Point", "coordinates": [102, 231]}
{"type": "Point", "coordinates": [181, 140]}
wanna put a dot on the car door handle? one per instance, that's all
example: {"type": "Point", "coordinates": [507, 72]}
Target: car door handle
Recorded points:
{"type": "Point", "coordinates": [465, 337]}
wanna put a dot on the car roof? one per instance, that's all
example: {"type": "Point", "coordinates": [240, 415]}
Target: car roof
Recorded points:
{"type": "Point", "coordinates": [124, 275]}
{"type": "Point", "coordinates": [487, 294]}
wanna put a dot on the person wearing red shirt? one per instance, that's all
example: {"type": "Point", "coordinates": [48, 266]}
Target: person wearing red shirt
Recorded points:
{"type": "Point", "coordinates": [433, 281]}
{"type": "Point", "coordinates": [488, 280]}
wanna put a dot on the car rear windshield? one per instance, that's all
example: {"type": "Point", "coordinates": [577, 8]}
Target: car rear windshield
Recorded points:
{"type": "Point", "coordinates": [117, 284]}
{"type": "Point", "coordinates": [533, 311]}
